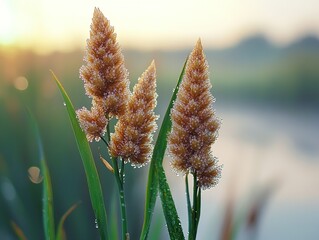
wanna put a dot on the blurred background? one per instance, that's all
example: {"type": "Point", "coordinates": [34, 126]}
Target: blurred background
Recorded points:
{"type": "Point", "coordinates": [264, 65]}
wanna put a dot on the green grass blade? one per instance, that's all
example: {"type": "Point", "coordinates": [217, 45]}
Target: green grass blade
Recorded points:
{"type": "Point", "coordinates": [151, 194]}
{"type": "Point", "coordinates": [92, 176]}
{"type": "Point", "coordinates": [60, 230]}
{"type": "Point", "coordinates": [48, 214]}
{"type": "Point", "coordinates": [156, 162]}
{"type": "Point", "coordinates": [172, 220]}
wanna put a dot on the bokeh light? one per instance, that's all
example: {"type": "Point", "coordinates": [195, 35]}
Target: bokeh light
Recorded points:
{"type": "Point", "coordinates": [21, 83]}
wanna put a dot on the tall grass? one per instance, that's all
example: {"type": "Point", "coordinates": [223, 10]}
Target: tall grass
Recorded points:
{"type": "Point", "coordinates": [188, 129]}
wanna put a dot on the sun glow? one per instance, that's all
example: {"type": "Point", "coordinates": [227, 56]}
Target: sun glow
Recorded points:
{"type": "Point", "coordinates": [45, 25]}
{"type": "Point", "coordinates": [7, 36]}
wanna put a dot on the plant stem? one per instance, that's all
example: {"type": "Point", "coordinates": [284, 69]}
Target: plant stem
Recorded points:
{"type": "Point", "coordinates": [119, 176]}
{"type": "Point", "coordinates": [120, 186]}
{"type": "Point", "coordinates": [122, 171]}
{"type": "Point", "coordinates": [106, 143]}
{"type": "Point", "coordinates": [199, 197]}
{"type": "Point", "coordinates": [196, 205]}
{"type": "Point", "coordinates": [193, 210]}
{"type": "Point", "coordinates": [189, 208]}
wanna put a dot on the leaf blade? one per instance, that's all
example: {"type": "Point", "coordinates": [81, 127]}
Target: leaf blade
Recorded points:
{"type": "Point", "coordinates": [92, 177]}
{"type": "Point", "coordinates": [156, 163]}
{"type": "Point", "coordinates": [18, 231]}
{"type": "Point", "coordinates": [60, 230]}
{"type": "Point", "coordinates": [172, 220]}
{"type": "Point", "coordinates": [47, 194]}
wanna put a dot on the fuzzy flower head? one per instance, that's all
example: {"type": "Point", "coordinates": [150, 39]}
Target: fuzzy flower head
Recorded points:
{"type": "Point", "coordinates": [104, 74]}
{"type": "Point", "coordinates": [134, 130]}
{"type": "Point", "coordinates": [194, 124]}
{"type": "Point", "coordinates": [92, 122]}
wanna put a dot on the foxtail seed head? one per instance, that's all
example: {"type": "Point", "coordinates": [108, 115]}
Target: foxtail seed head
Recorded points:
{"type": "Point", "coordinates": [104, 75]}
{"type": "Point", "coordinates": [134, 130]}
{"type": "Point", "coordinates": [194, 124]}
{"type": "Point", "coordinates": [93, 122]}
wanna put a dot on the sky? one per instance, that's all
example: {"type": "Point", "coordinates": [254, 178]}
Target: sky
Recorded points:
{"type": "Point", "coordinates": [47, 25]}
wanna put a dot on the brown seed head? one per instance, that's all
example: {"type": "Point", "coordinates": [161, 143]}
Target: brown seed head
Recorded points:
{"type": "Point", "coordinates": [209, 176]}
{"type": "Point", "coordinates": [194, 124]}
{"type": "Point", "coordinates": [93, 122]}
{"type": "Point", "coordinates": [134, 130]}
{"type": "Point", "coordinates": [104, 74]}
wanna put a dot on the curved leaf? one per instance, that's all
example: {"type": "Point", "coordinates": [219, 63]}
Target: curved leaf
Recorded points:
{"type": "Point", "coordinates": [156, 168]}
{"type": "Point", "coordinates": [60, 230]}
{"type": "Point", "coordinates": [18, 231]}
{"type": "Point", "coordinates": [47, 208]}
{"type": "Point", "coordinates": [92, 176]}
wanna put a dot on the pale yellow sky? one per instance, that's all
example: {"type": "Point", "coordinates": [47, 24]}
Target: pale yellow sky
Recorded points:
{"type": "Point", "coordinates": [48, 25]}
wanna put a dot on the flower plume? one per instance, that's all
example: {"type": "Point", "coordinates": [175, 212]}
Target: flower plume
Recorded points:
{"type": "Point", "coordinates": [104, 75]}
{"type": "Point", "coordinates": [194, 124]}
{"type": "Point", "coordinates": [133, 132]}
{"type": "Point", "coordinates": [93, 122]}
{"type": "Point", "coordinates": [105, 78]}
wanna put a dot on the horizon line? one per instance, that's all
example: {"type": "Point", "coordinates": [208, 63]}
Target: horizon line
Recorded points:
{"type": "Point", "coordinates": [261, 36]}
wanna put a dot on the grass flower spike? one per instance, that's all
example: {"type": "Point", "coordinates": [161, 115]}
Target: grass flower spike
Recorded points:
{"type": "Point", "coordinates": [93, 122]}
{"type": "Point", "coordinates": [133, 132]}
{"type": "Point", "coordinates": [105, 76]}
{"type": "Point", "coordinates": [194, 125]}
{"type": "Point", "coordinates": [188, 130]}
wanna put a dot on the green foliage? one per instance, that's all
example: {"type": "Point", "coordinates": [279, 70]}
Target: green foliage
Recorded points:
{"type": "Point", "coordinates": [18, 231]}
{"type": "Point", "coordinates": [172, 219]}
{"type": "Point", "coordinates": [60, 230]}
{"type": "Point", "coordinates": [156, 169]}
{"type": "Point", "coordinates": [89, 165]}
{"type": "Point", "coordinates": [48, 213]}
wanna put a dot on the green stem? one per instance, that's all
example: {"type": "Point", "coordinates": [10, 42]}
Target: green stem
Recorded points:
{"type": "Point", "coordinates": [119, 176]}
{"type": "Point", "coordinates": [196, 205]}
{"type": "Point", "coordinates": [122, 171]}
{"type": "Point", "coordinates": [106, 143]}
{"type": "Point", "coordinates": [189, 208]}
{"type": "Point", "coordinates": [194, 210]}
{"type": "Point", "coordinates": [199, 200]}
{"type": "Point", "coordinates": [120, 186]}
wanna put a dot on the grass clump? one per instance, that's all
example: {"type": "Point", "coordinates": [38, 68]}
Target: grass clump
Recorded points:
{"type": "Point", "coordinates": [188, 130]}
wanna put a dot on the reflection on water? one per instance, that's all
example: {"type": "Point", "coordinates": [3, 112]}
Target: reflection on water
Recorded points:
{"type": "Point", "coordinates": [259, 147]}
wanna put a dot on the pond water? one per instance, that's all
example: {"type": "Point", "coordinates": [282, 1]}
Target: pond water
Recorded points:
{"type": "Point", "coordinates": [267, 154]}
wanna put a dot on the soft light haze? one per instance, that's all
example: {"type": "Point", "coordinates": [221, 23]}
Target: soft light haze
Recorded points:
{"type": "Point", "coordinates": [62, 25]}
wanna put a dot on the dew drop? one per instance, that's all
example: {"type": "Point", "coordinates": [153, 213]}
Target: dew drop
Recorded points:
{"type": "Point", "coordinates": [64, 104]}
